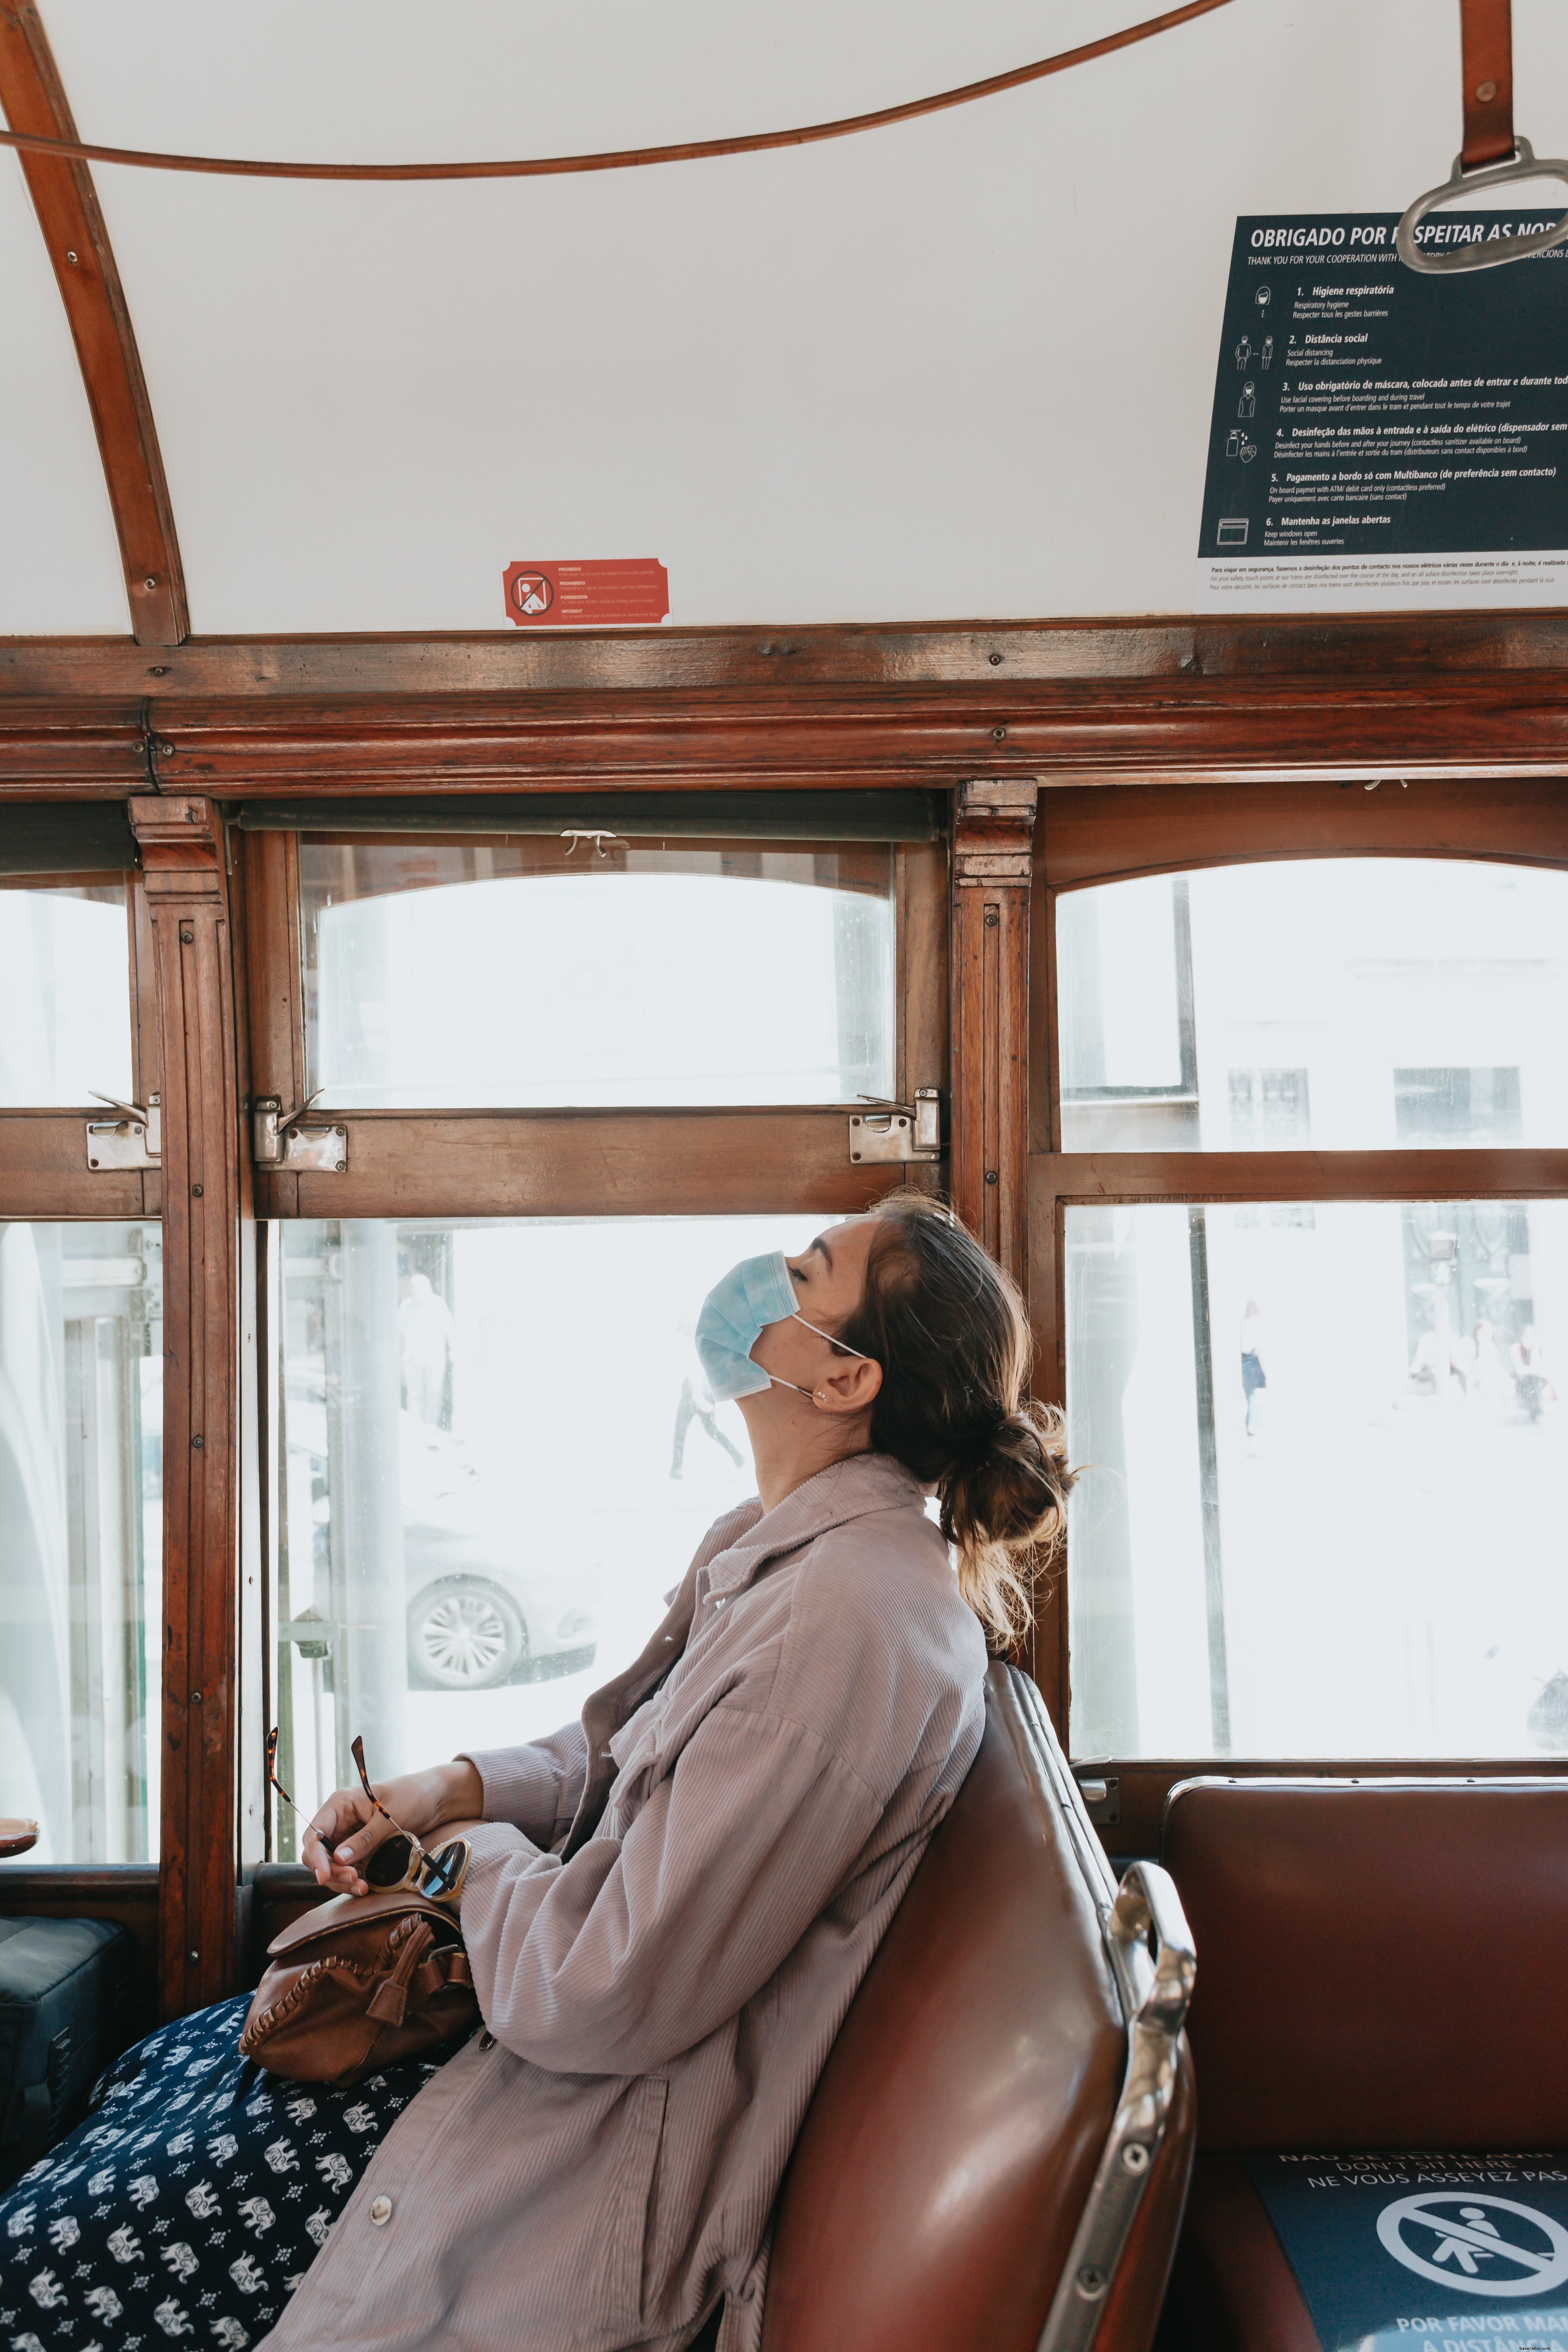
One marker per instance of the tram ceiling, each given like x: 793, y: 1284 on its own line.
x: 909, y: 370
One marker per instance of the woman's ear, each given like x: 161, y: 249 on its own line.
x: 853, y: 1385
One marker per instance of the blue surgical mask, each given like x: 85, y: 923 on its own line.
x: 735, y: 1313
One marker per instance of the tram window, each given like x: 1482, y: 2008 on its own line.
x: 591, y: 971
x: 1325, y: 1508
x: 65, y: 982
x: 1346, y: 1003
x: 80, y: 1536
x: 465, y: 1543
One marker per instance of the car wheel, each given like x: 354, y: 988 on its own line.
x: 465, y: 1636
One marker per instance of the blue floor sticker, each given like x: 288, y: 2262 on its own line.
x: 1425, y: 2252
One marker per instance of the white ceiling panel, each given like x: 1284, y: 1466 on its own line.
x: 59, y: 560
x: 959, y: 368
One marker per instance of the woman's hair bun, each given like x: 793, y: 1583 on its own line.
x: 948, y: 1330
x: 1008, y: 1487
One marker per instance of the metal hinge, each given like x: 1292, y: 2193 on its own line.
x: 897, y: 1131
x: 279, y: 1142
x: 1101, y: 1793
x: 135, y: 1140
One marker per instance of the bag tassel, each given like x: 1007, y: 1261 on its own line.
x: 389, y: 2003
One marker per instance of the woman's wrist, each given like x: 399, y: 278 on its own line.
x: 462, y: 1797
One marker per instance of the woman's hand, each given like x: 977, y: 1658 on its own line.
x: 347, y: 1828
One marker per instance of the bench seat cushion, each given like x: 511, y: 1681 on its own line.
x: 1410, y: 2252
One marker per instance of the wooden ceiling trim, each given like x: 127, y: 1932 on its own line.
x: 34, y: 100
x: 1451, y: 724
x: 778, y: 661
x: 1470, y: 723
x: 82, y: 750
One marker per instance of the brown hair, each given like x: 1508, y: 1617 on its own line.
x: 948, y: 1329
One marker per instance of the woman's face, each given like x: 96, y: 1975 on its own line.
x: 830, y: 1280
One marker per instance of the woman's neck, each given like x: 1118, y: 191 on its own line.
x: 792, y: 1442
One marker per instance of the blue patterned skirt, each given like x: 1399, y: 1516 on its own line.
x: 192, y: 2201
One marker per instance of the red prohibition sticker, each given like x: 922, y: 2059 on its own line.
x: 617, y: 592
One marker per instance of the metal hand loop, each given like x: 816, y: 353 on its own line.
x: 1486, y: 253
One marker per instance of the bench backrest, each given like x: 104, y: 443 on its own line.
x: 949, y: 2150
x: 1382, y: 1961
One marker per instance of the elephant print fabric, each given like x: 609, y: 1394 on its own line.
x: 190, y: 2203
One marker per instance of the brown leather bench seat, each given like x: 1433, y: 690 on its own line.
x: 944, y: 2168
x: 1383, y: 1972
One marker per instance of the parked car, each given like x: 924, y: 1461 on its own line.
x: 478, y: 1616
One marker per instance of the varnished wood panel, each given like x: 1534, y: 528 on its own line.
x: 1247, y: 728
x: 146, y: 1064
x: 1089, y: 836
x: 277, y: 1023
x: 44, y: 1171
x: 81, y: 749
x: 182, y: 858
x: 1066, y: 732
x: 924, y: 970
x: 1183, y: 649
x: 72, y: 224
x: 583, y: 1163
x: 1520, y: 1172
x: 990, y: 966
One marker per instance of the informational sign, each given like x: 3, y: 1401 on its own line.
x: 609, y: 593
x: 1430, y: 2254
x: 1382, y: 439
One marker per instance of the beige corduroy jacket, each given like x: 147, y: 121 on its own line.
x: 597, y: 2169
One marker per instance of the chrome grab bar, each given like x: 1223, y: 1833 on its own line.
x: 1155, y: 1993
x: 1522, y: 164
x: 1153, y: 1989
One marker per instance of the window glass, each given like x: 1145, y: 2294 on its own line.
x: 591, y: 970
x: 1326, y: 1508
x: 65, y: 982
x: 496, y: 1454
x: 1342, y: 1004
x: 81, y: 1536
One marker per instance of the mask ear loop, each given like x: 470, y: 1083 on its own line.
x: 841, y: 1344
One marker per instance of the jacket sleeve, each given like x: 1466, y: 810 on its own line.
x: 535, y: 1788
x: 636, y: 1950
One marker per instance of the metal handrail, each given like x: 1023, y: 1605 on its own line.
x: 1147, y: 1903
x: 1154, y: 1989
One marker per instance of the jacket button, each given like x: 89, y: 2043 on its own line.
x: 381, y: 2211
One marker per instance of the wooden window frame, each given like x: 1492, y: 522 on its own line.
x: 676, y: 1162
x: 687, y: 1160
x: 44, y: 1174
x: 1163, y: 739
x: 1087, y: 836
x: 45, y: 1180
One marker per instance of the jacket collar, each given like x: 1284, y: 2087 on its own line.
x: 846, y: 1490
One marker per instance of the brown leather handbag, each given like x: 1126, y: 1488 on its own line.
x: 360, y: 1982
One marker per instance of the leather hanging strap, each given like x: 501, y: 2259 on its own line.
x: 1486, y: 40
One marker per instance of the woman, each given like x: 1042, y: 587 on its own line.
x: 672, y: 1903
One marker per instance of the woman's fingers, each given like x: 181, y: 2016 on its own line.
x: 346, y: 1831
x: 339, y: 1836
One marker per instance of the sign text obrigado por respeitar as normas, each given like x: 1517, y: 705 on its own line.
x: 1380, y: 439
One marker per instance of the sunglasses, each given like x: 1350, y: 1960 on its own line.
x: 437, y: 1873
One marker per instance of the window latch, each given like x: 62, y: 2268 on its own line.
x: 134, y: 1139
x: 897, y: 1131
x: 276, y: 1141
